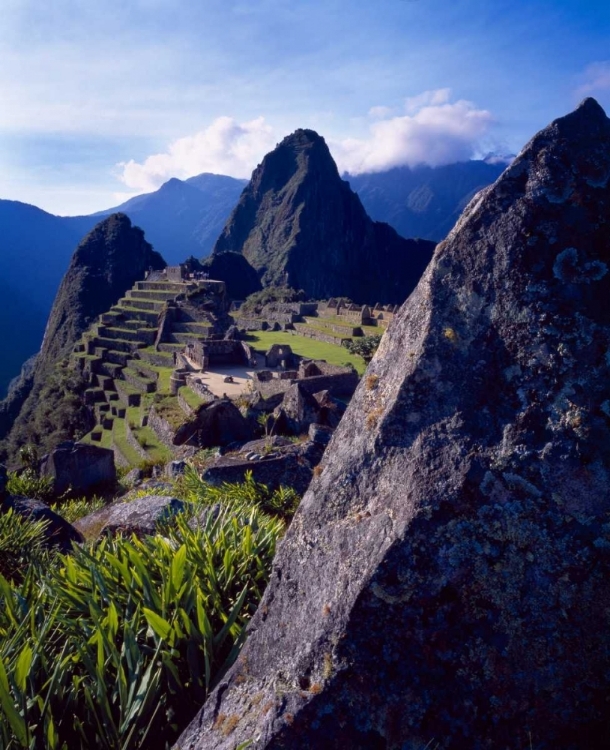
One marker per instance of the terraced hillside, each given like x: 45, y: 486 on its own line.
x: 129, y: 357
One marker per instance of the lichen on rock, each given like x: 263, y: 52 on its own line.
x: 446, y: 579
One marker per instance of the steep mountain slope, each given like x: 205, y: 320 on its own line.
x: 184, y: 217
x: 423, y: 201
x: 108, y: 261
x: 298, y: 223
x: 446, y: 578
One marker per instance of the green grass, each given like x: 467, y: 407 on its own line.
x: 156, y: 450
x: 169, y: 410
x: 120, y: 440
x: 333, y: 354
x: 191, y: 398
x: 165, y: 374
x: 105, y: 442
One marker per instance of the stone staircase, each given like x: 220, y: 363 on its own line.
x: 123, y: 365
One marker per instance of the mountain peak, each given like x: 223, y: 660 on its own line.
x: 298, y: 223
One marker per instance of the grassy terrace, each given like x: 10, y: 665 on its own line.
x: 155, y: 449
x: 335, y: 355
x: 191, y: 398
x: 169, y: 409
x: 164, y: 376
x: 120, y: 440
x: 323, y: 323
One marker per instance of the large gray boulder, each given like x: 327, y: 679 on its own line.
x: 78, y: 467
x: 446, y: 579
x: 141, y: 517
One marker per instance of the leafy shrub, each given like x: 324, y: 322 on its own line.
x: 365, y: 346
x: 118, y: 645
x: 29, y: 484
x: 21, y: 543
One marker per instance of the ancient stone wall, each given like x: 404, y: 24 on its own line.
x: 132, y: 440
x: 163, y: 429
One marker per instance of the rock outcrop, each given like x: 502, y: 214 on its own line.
x: 299, y: 224
x: 78, y: 467
x: 446, y: 579
x: 232, y: 268
x: 141, y: 517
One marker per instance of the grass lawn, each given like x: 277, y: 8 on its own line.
x: 191, y: 398
x: 335, y: 355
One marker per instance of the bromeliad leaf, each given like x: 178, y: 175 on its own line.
x: 160, y: 626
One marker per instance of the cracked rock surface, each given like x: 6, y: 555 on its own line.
x: 446, y: 578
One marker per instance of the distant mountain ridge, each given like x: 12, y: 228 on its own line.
x: 299, y: 224
x: 423, y: 201
x: 185, y: 217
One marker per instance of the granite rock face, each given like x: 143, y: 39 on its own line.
x: 446, y: 578
x: 299, y: 224
x: 78, y: 467
x: 141, y: 517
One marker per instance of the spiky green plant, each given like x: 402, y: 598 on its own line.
x: 22, y: 542
x: 78, y: 507
x: 29, y: 484
x: 121, y: 642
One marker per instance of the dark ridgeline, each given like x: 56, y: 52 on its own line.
x: 446, y: 578
x: 107, y: 262
x: 298, y: 223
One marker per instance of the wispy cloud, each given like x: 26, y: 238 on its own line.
x: 433, y: 131
x: 595, y: 80
x: 225, y: 147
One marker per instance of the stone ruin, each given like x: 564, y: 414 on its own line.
x: 279, y: 355
x: 314, y: 375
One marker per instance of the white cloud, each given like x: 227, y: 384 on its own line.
x: 379, y: 113
x: 427, y: 99
x: 225, y: 147
x: 596, y: 79
x: 434, y: 131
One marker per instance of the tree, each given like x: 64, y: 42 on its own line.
x: 365, y: 346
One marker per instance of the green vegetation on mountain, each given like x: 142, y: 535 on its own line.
x: 49, y: 404
x: 299, y: 224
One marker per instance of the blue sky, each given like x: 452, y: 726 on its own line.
x: 102, y: 100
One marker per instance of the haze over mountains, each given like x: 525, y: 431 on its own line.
x: 185, y: 217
